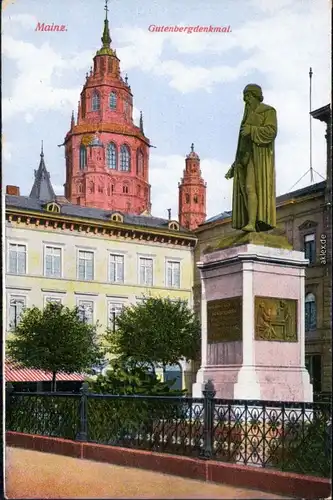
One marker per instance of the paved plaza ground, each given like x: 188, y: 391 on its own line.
x: 32, y: 474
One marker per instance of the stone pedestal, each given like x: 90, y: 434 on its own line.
x: 253, y: 341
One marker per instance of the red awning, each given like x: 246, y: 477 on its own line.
x: 13, y: 373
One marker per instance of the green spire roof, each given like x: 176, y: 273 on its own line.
x: 106, y: 38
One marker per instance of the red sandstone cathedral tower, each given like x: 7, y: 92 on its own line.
x: 107, y: 156
x: 192, y: 193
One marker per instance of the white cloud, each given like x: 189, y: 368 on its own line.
x: 33, y: 90
x: 7, y: 150
x: 136, y: 116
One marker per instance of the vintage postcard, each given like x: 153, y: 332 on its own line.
x: 167, y: 277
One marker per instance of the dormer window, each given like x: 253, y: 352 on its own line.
x: 113, y: 100
x: 53, y: 207
x: 95, y: 103
x: 173, y: 225
x: 117, y: 217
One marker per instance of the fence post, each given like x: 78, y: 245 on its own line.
x: 83, y: 434
x: 209, y: 394
x: 9, y: 391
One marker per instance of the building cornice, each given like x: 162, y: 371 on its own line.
x: 127, y: 130
x: 104, y: 228
x: 292, y: 201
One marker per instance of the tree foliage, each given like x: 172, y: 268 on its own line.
x: 127, y: 377
x: 54, y: 339
x: 117, y: 420
x: 158, y: 330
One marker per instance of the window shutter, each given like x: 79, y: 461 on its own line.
x: 57, y: 265
x: 177, y: 275
x: 149, y: 272
x: 13, y: 264
x: 21, y: 262
x: 112, y: 269
x: 142, y: 272
x: 120, y: 269
x: 12, y: 314
x: 169, y: 274
x: 48, y: 265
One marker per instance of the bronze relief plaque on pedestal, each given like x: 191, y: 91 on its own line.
x: 224, y: 320
x: 275, y: 319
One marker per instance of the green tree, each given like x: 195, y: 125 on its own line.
x: 54, y: 339
x: 156, y: 331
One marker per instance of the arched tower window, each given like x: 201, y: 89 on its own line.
x: 139, y: 162
x: 83, y: 157
x: 310, y: 313
x: 195, y: 198
x: 112, y: 156
x: 125, y: 158
x: 113, y: 100
x: 95, y: 101
x: 125, y: 188
x: 187, y: 198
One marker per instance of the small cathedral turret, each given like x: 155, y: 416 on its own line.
x: 42, y: 188
x: 192, y: 193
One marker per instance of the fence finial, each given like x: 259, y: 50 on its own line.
x: 84, y: 388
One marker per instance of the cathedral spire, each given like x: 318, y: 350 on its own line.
x: 106, y: 38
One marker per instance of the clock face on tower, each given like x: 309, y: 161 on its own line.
x: 86, y: 139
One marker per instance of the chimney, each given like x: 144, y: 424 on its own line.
x: 13, y: 190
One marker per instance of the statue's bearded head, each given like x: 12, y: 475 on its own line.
x: 252, y: 95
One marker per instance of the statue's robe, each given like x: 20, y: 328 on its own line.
x: 258, y: 148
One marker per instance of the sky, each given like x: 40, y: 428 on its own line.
x: 188, y: 86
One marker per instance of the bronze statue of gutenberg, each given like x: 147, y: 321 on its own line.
x: 253, y: 204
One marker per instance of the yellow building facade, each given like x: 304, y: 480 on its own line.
x: 96, y: 260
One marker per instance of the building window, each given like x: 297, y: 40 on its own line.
x: 17, y: 259
x: 86, y: 311
x: 310, y: 248
x: 16, y: 306
x: 52, y: 262
x: 86, y: 265
x: 114, y: 309
x: 52, y: 300
x: 113, y: 100
x: 139, y: 162
x: 125, y: 189
x: 116, y: 268
x: 187, y: 198
x: 195, y: 198
x: 173, y: 374
x: 112, y: 156
x: 313, y: 365
x: 173, y: 274
x: 146, y: 271
x: 95, y: 101
x: 310, y: 313
x: 83, y: 157
x: 125, y: 158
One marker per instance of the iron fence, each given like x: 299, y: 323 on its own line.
x: 291, y: 436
